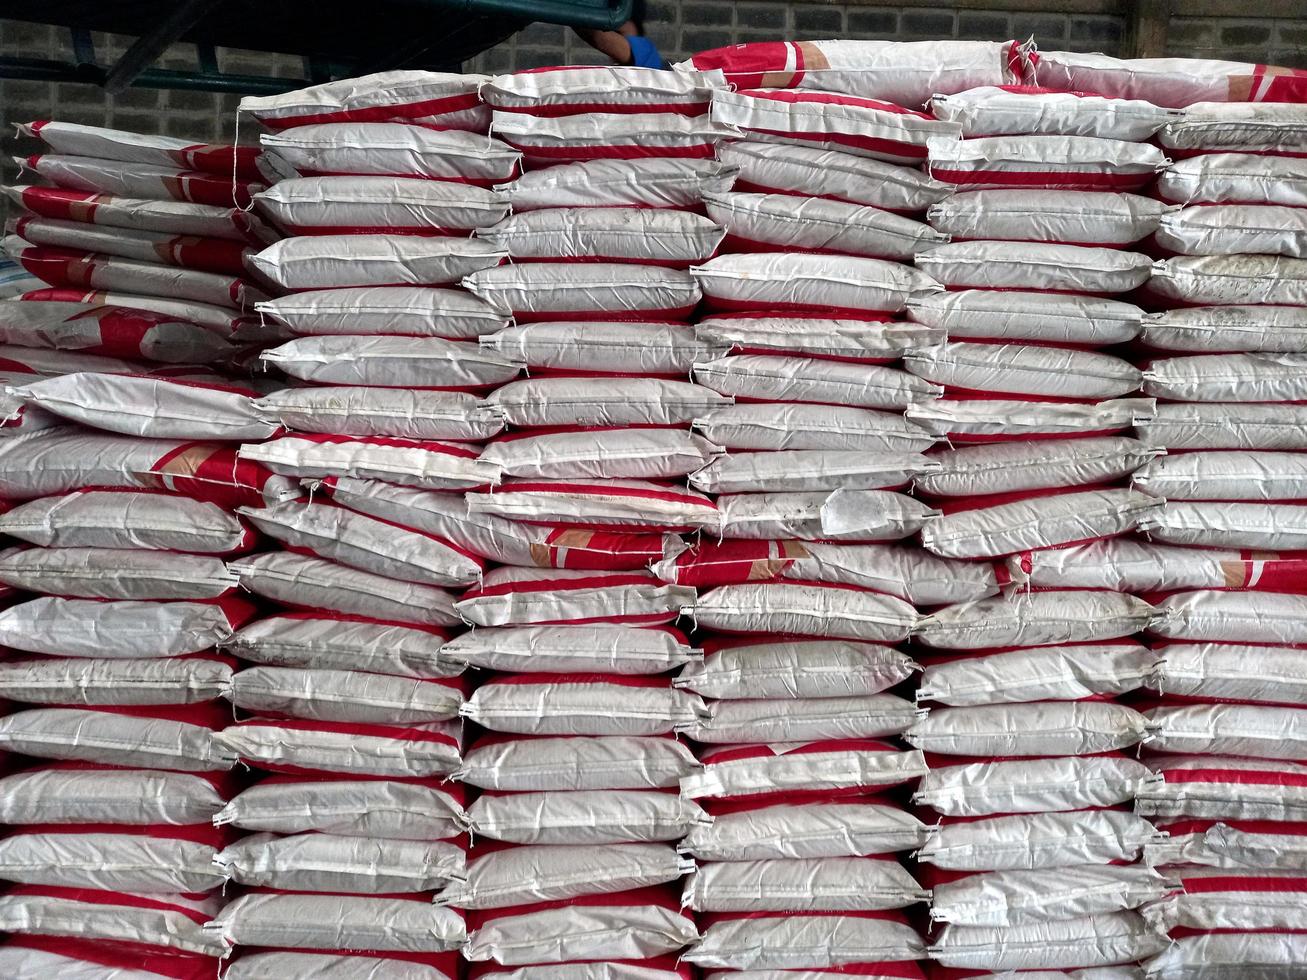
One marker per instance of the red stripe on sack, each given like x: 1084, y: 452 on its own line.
x: 658, y: 896
x: 443, y: 178
x: 901, y: 152
x: 736, y: 752
x: 616, y: 680
x: 1053, y: 179
x: 602, y: 490
x: 92, y: 896
x: 601, y: 580
x: 608, y: 108
x: 445, y: 105
x: 1204, y: 885
x: 1244, y: 777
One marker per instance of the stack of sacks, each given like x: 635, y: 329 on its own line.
x: 121, y: 536
x: 1229, y: 349
x: 576, y: 873
x: 153, y: 224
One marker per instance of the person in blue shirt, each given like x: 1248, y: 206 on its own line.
x: 627, y: 45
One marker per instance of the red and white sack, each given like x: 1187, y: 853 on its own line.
x: 1059, y: 217
x: 545, y: 402
x: 1035, y: 619
x: 390, y: 149
x: 866, y: 340
x: 439, y: 99
x: 1227, y: 329
x: 807, y: 943
x: 1018, y: 369
x: 1066, y: 673
x: 600, y: 454
x: 114, y: 144
x: 1014, y: 467
x: 398, y: 362
x: 597, y: 648
x: 362, y: 542
x: 1204, y: 127
x: 1068, y: 163
x: 810, y: 669
x: 127, y: 628
x: 326, y: 261
x: 33, y: 957
x: 582, y: 704
x: 112, y: 331
x: 1012, y: 315
x: 1031, y: 786
x: 1225, y: 476
x: 344, y: 695
x: 302, y: 747
x: 1210, y: 899
x: 983, y: 420
x: 141, y: 180
x: 141, y: 214
x: 168, y: 922
x: 577, y: 763
x: 226, y: 322
x: 815, y: 770
x: 806, y: 609
x: 1040, y: 728
x: 651, y: 182
x: 305, y: 640
x: 127, y: 519
x: 311, y: 583
x: 401, y: 413
x: 1226, y: 426
x: 333, y: 863
x: 434, y: 465
x: 411, y: 311
x: 149, y: 861
x: 1234, y: 844
x: 784, y: 223
x: 1228, y: 378
x: 586, y: 291
x: 1039, y: 841
x: 600, y: 503
x: 908, y: 73
x: 1233, y: 229
x: 1212, y: 787
x: 802, y: 720
x: 906, y: 572
x: 855, y: 828
x: 1016, y: 110
x: 92, y: 681
x: 648, y: 236
x: 154, y: 408
x: 1253, y: 730
x: 369, y: 808
x: 545, y: 141
x: 551, y: 873
x: 833, y: 884
x: 329, y: 922
x: 1020, y: 898
x: 584, y: 818
x: 115, y: 573
x: 764, y: 377
x: 1093, y: 940
x: 773, y: 426
x: 1235, y: 178
x: 132, y: 739
x: 807, y: 171
x: 861, y: 126
x: 1231, y: 672
x: 511, y: 596
x: 69, y: 268
x: 1225, y: 280
x: 1022, y: 265
x: 216, y: 255
x: 76, y: 794
x: 619, y: 347
x: 842, y: 515
x: 626, y: 926
x: 1174, y: 82
x: 1238, y: 617
x: 1045, y: 521
x: 809, y: 469
x: 378, y: 206
x: 1244, y: 952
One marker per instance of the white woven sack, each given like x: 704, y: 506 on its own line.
x: 1229, y: 425
x: 133, y: 797
x: 327, y: 966
x: 1272, y: 128
x: 578, y: 763
x: 651, y: 236
x: 1231, y: 672
x: 1016, y: 898
x: 618, y: 346
x: 764, y: 377
x: 118, y: 519
x: 1030, y: 786
x: 1017, y: 369
x: 798, y: 470
x: 106, y: 916
x: 1094, y: 940
x: 110, y: 862
x: 803, y: 942
x: 1041, y: 728
x: 1240, y: 617
x: 1223, y: 329
x: 549, y: 140
x: 511, y: 596
x: 1252, y: 730
x: 89, y: 681
x: 1086, y: 163
x: 653, y: 182
x: 412, y: 311
x: 61, y: 325
x: 343, y: 695
x: 332, y: 863
x: 740, y: 721
x: 124, y: 628
x: 611, y: 453
x: 996, y: 111
x: 827, y: 768
x: 1225, y: 280
x: 597, y: 648
x: 603, y: 402
x: 829, y: 884
x: 1033, y: 841
x: 115, y: 573
x: 585, y: 817
x: 800, y: 281
x: 113, y: 739
x: 813, y: 336
x: 427, y: 465
x: 1037, y: 266
x: 1225, y: 476
x: 1219, y: 845
x: 325, y: 261
x: 378, y: 205
x: 1067, y: 673
x: 1013, y: 315
x: 401, y: 413
x: 1035, y: 619
x: 844, y: 515
x: 1242, y: 954
x: 810, y: 830
x: 366, y: 808
x: 811, y: 426
x: 1235, y: 178
x: 1056, y: 217
x: 1214, y: 788
x: 322, y: 747
x: 303, y: 641
x: 812, y: 669
x: 806, y: 609
x: 588, y: 290
x: 27, y: 963
x: 1228, y: 378
x: 393, y: 362
x: 588, y: 705
x: 392, y: 148
x: 598, y: 503
x: 1009, y: 419
x: 626, y: 928
x: 1010, y: 467
x: 1233, y: 229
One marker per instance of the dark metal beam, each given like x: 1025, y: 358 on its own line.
x: 145, y: 51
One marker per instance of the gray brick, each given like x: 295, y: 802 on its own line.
x: 139, y: 98
x: 26, y: 40
x: 1100, y: 30
x: 537, y: 57
x: 873, y: 22
x: 809, y: 19
x: 1291, y: 35
x: 147, y: 122
x: 1044, y: 29
x: 31, y: 93
x: 496, y: 61
x: 708, y: 15
x: 695, y: 39
x: 760, y: 16
x: 1246, y: 34
x: 1288, y: 57
x: 983, y: 26
x: 927, y: 23
x: 1186, y: 31
x: 662, y: 12
x: 540, y: 35
x: 181, y: 56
